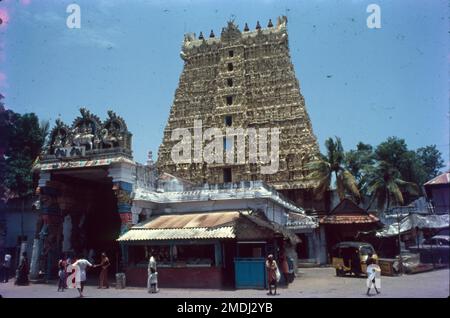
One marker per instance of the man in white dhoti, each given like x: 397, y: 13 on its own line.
x: 152, y: 282
x: 81, y: 264
x: 373, y: 276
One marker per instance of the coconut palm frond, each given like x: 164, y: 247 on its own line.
x: 319, y: 169
x: 395, y: 192
x: 350, y: 184
x: 340, y: 186
x: 409, y: 187
x: 381, y: 197
x: 323, y: 185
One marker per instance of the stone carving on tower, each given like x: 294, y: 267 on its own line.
x: 242, y: 79
x: 89, y: 137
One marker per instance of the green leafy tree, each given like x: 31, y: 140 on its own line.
x: 332, y: 164
x: 431, y: 160
x: 7, y: 118
x: 395, y: 152
x: 21, y: 143
x: 357, y: 160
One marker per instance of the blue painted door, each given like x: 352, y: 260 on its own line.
x: 250, y: 272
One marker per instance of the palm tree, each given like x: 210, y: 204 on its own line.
x: 384, y: 184
x: 333, y: 164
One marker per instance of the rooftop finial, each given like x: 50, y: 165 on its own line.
x: 258, y: 26
x: 200, y: 37
x: 246, y: 29
x: 211, y: 35
x: 150, y: 158
x: 269, y: 25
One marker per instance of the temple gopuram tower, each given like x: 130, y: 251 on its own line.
x: 243, y: 79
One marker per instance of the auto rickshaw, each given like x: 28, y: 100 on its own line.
x: 351, y: 257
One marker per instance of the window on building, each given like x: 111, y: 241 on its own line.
x: 228, y: 143
x: 229, y: 100
x: 230, y: 53
x: 198, y: 254
x: 230, y: 82
x: 227, y: 175
x: 230, y: 66
x: 253, y: 249
x: 228, y: 120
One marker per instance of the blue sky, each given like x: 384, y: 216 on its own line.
x: 360, y: 84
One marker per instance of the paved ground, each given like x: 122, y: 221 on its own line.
x: 312, y: 282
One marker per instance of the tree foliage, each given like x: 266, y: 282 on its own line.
x: 389, y: 173
x: 431, y: 160
x: 385, y: 185
x: 21, y: 142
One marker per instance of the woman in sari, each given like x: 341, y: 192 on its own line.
x: 23, y: 269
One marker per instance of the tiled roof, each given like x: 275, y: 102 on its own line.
x: 441, y: 179
x: 348, y: 219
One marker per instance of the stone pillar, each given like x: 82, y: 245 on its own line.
x: 123, y: 176
x: 123, y: 191
x: 67, y: 234
x: 52, y: 220
x: 38, y: 242
x: 323, y: 246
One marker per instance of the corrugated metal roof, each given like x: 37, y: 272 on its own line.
x: 211, y: 225
x: 191, y: 220
x: 177, y: 234
x: 301, y: 221
x: 207, y: 225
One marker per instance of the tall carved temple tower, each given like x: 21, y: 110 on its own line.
x: 242, y: 79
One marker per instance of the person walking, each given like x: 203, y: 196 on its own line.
x: 273, y: 274
x: 152, y: 282
x: 284, y: 268
x: 6, y: 266
x: 82, y: 264
x: 373, y: 275
x: 62, y: 274
x: 103, y: 277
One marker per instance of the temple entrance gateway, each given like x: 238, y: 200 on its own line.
x: 91, y: 222
x: 86, y: 177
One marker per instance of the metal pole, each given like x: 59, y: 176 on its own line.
x: 400, y: 262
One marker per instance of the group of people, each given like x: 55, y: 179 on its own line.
x: 21, y: 274
x: 80, y: 278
